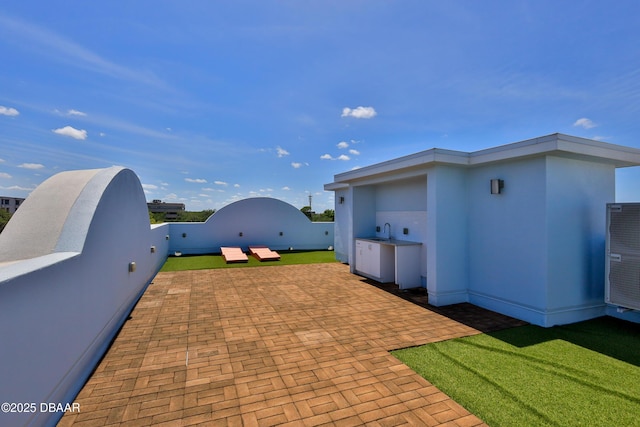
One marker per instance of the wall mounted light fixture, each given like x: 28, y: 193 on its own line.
x: 496, y: 186
x: 184, y: 234
x: 281, y: 233
x: 240, y: 234
x: 341, y: 200
x: 153, y: 249
x: 132, y: 266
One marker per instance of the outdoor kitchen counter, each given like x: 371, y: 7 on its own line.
x: 389, y: 260
x: 394, y: 242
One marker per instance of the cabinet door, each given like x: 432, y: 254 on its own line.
x: 373, y: 255
x: 360, y: 261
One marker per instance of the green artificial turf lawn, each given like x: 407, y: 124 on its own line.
x: 200, y: 262
x: 585, y: 374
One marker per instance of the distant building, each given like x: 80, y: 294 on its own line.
x: 169, y: 209
x: 10, y: 204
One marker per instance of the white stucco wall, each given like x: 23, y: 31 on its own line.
x: 446, y: 244
x: 39, y: 228
x: 577, y: 194
x: 60, y: 309
x: 535, y: 250
x: 508, y: 238
x: 260, y: 220
x: 342, y: 225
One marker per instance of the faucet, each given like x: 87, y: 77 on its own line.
x: 389, y: 232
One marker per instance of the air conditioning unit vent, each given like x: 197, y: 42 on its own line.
x: 622, y: 286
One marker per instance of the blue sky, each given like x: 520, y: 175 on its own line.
x: 214, y: 101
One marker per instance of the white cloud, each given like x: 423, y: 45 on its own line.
x: 76, y: 113
x: 149, y: 187
x: 32, y: 166
x: 296, y: 165
x: 281, y: 152
x: 4, y: 175
x: 171, y: 196
x: 8, y: 111
x: 196, y: 180
x: 343, y: 144
x: 285, y: 188
x: 354, y: 152
x: 220, y: 183
x: 1, y: 160
x: 208, y: 189
x: 71, y: 112
x: 584, y: 123
x: 359, y: 112
x: 17, y: 187
x: 236, y: 185
x: 72, y: 132
x: 343, y: 157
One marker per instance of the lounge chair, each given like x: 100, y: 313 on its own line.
x: 263, y: 253
x: 233, y: 254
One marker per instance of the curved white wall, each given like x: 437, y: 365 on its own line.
x: 261, y: 220
x: 65, y: 284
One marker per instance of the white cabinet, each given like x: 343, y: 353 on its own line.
x: 389, y: 261
x: 375, y: 260
x: 407, y: 261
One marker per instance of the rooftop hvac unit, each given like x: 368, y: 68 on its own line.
x: 622, y: 269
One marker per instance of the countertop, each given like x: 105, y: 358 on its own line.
x: 392, y: 242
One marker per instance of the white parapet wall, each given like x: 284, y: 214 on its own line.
x: 254, y: 221
x: 73, y: 262
x: 75, y: 259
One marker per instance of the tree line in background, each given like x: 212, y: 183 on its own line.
x: 327, y: 216
x: 4, y: 219
x: 183, y: 216
x: 188, y: 216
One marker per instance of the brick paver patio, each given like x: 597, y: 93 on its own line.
x: 299, y: 345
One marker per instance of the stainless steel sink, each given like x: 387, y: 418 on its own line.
x: 378, y: 239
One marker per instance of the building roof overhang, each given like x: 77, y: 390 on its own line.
x: 556, y: 144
